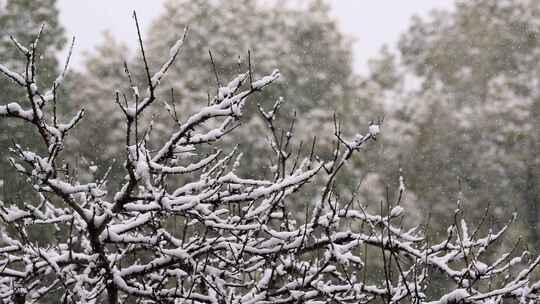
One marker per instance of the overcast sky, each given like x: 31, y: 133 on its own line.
x: 371, y: 23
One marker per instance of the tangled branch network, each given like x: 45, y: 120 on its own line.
x: 237, y: 239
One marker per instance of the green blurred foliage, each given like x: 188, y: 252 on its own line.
x: 466, y: 122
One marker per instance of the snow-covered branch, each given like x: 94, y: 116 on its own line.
x: 194, y: 229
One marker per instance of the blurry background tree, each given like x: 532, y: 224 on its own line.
x: 470, y: 111
x: 22, y: 19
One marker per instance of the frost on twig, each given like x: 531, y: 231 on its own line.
x: 215, y: 236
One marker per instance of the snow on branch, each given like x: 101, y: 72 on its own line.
x: 214, y: 236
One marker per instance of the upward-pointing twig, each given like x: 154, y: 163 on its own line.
x: 146, y: 68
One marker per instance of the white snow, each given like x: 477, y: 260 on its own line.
x: 396, y: 211
x: 374, y: 129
